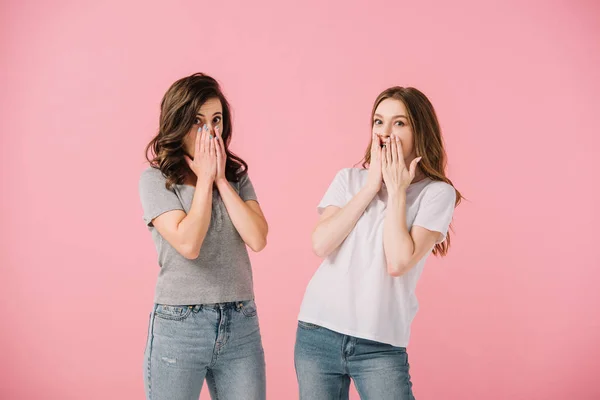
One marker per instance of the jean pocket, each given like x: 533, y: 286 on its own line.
x: 148, y: 331
x: 308, y: 325
x: 249, y: 308
x: 175, y: 313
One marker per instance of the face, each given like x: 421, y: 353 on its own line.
x: 211, y: 114
x: 391, y: 120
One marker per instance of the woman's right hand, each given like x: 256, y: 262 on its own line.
x: 375, y: 177
x: 204, y: 164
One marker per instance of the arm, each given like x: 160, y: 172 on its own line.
x: 336, y: 223
x: 186, y: 233
x: 247, y: 217
x: 403, y: 249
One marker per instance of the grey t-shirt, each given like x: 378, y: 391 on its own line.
x: 222, y: 271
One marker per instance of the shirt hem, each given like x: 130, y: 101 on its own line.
x: 351, y: 332
x: 202, y: 300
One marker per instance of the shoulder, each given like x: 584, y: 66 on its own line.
x: 350, y: 174
x: 243, y: 176
x: 151, y: 176
x: 151, y: 172
x: 439, y: 191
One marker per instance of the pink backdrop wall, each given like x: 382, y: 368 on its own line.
x: 511, y: 313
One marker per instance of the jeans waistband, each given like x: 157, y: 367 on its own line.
x: 219, y: 306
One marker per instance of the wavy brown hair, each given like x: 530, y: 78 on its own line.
x: 427, y: 138
x: 178, y: 110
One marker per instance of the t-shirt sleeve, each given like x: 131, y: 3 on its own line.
x: 337, y: 193
x: 436, y: 210
x: 156, y: 198
x: 246, y: 189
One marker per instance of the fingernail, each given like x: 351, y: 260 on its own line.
x: 206, y: 127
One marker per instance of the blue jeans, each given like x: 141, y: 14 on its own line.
x: 326, y: 361
x: 219, y: 343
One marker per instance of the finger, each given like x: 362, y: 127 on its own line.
x: 212, y: 145
x: 413, y: 167
x: 217, y: 145
x: 400, y: 153
x: 219, y: 142
x: 206, y: 140
x: 394, y: 150
x: 375, y: 152
x: 384, y: 154
x: 388, y: 150
x: 374, y: 145
x: 188, y: 160
x: 198, y: 143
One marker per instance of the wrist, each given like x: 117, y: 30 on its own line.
x: 396, y: 193
x: 221, y: 182
x: 371, y: 188
x: 204, y: 182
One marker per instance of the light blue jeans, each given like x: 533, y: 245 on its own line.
x: 219, y: 343
x: 326, y: 361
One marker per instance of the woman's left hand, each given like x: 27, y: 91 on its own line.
x: 395, y: 173
x: 221, y: 156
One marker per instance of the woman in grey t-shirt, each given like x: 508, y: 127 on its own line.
x: 201, y: 209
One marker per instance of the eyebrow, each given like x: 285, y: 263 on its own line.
x: 395, y: 116
x: 217, y: 113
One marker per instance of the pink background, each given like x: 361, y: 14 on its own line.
x: 511, y: 313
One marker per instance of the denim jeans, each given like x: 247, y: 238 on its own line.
x: 219, y: 343
x: 326, y: 361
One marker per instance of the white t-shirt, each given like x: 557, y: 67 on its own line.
x: 352, y: 293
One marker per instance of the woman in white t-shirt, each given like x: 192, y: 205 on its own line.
x: 377, y: 226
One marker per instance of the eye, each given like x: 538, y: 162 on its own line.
x: 197, y: 121
x: 216, y: 120
x: 377, y: 122
x: 400, y: 123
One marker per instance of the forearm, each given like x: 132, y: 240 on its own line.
x: 251, y: 226
x: 331, y: 232
x: 192, y: 229
x: 397, y: 241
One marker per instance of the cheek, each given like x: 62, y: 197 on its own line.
x: 190, y: 140
x: 406, y: 138
x: 377, y: 129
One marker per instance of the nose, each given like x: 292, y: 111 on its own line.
x: 386, y: 131
x: 212, y: 126
x: 384, y: 136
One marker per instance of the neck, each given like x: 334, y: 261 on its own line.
x: 419, y: 175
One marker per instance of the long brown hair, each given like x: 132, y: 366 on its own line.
x: 427, y: 138
x: 178, y: 110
